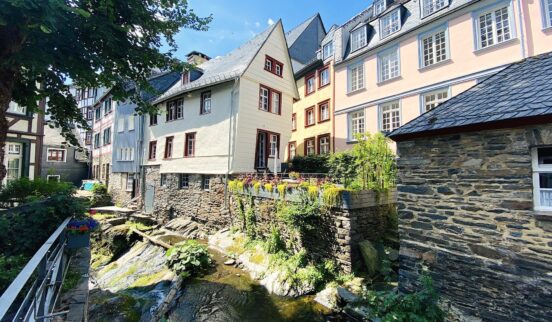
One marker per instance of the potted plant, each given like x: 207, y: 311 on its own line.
x: 78, y: 232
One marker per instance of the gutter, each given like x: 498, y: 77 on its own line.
x: 521, y: 17
x: 226, y: 176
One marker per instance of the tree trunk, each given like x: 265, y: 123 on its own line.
x: 5, y: 98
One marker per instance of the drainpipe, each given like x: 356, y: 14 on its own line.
x: 521, y: 16
x: 236, y: 82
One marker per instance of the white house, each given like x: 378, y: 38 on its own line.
x: 231, y: 115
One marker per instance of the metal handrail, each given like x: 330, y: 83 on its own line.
x: 40, y: 260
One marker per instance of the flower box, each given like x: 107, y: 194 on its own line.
x: 75, y: 241
x: 78, y: 232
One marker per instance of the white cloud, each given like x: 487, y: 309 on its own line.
x: 257, y: 24
x: 270, y: 21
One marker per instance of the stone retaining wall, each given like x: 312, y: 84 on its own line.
x: 466, y: 216
x: 364, y: 215
x: 204, y: 207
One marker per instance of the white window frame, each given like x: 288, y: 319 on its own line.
x: 326, y: 144
x: 324, y: 80
x: 546, y: 13
x: 129, y: 179
x: 432, y: 4
x: 491, y: 10
x: 359, y: 68
x: 294, y: 150
x: 163, y: 180
x: 57, y: 149
x: 273, y: 141
x: 384, y: 55
x: 264, y: 97
x: 57, y: 176
x: 423, y: 102
x: 181, y: 181
x: 324, y: 116
x: 432, y: 34
x: 308, y: 114
x: 308, y: 146
x: 360, y: 117
x: 121, y: 125
x: 327, y: 50
x: 205, y: 103
x: 379, y: 6
x: 15, y: 108
x: 362, y: 40
x: 14, y: 148
x: 131, y: 122
x: 538, y: 169
x: 381, y: 112
x: 206, y: 182
x: 387, y: 22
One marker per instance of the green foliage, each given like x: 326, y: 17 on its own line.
x: 421, y: 306
x: 274, y: 242
x: 25, y: 190
x: 300, y: 216
x: 24, y: 229
x: 239, y: 186
x: 342, y: 166
x: 310, y: 164
x: 370, y: 165
x: 10, y: 266
x: 331, y: 196
x: 250, y: 221
x: 100, y: 196
x: 375, y: 162
x: 189, y: 258
x: 36, y: 52
x: 71, y: 280
x: 313, y: 192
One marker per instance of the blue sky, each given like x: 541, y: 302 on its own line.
x: 236, y: 21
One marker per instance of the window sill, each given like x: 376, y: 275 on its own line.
x: 351, y: 142
x: 309, y: 94
x: 169, y: 121
x: 543, y: 215
x: 323, y: 121
x: 435, y: 65
x: 422, y: 16
x: 309, y: 125
x: 323, y: 86
x: 56, y: 161
x: 547, y: 29
x: 495, y: 46
x: 390, y: 80
x: 356, y: 91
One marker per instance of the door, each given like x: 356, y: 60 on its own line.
x: 148, y: 198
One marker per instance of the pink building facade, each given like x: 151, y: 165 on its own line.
x: 102, y: 142
x: 397, y: 60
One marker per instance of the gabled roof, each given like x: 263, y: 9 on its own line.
x: 224, y: 68
x: 519, y: 94
x: 304, y: 41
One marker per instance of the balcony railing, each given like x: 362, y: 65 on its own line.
x: 43, y: 276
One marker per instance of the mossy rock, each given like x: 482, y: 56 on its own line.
x: 370, y: 257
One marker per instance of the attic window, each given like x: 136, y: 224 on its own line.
x: 379, y: 6
x: 359, y: 38
x: 431, y: 6
x: 390, y: 23
x: 327, y: 50
x: 185, y: 78
x: 542, y: 178
x: 274, y: 66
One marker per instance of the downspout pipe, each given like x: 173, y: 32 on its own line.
x: 230, y: 125
x: 521, y: 16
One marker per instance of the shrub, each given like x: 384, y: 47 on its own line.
x: 274, y: 242
x: 310, y: 164
x: 100, y: 197
x: 10, y: 266
x: 419, y: 306
x: 25, y: 190
x: 24, y: 229
x: 188, y: 258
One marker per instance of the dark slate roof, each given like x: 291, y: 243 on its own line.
x: 410, y: 20
x: 520, y: 92
x: 224, y: 68
x: 160, y: 83
x: 304, y: 41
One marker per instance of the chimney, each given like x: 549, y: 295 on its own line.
x: 197, y: 58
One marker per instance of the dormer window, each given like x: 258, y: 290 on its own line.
x: 358, y: 38
x: 185, y: 78
x: 327, y: 50
x: 379, y: 6
x: 390, y: 23
x: 273, y: 66
x: 431, y: 6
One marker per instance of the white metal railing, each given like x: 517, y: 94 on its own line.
x: 48, y: 265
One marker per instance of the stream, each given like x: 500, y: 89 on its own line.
x: 133, y: 287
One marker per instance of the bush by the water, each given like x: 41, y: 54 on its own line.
x: 421, y: 306
x: 25, y: 190
x: 310, y: 164
x: 100, y: 197
x: 10, y: 266
x: 189, y: 258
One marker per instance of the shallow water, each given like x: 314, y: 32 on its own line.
x: 228, y: 294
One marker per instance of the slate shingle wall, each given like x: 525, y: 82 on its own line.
x: 465, y: 214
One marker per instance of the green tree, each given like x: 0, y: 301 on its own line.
x: 375, y: 161
x: 94, y: 43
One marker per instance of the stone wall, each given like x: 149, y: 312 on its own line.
x: 204, y: 207
x: 338, y: 230
x: 117, y: 189
x: 466, y: 216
